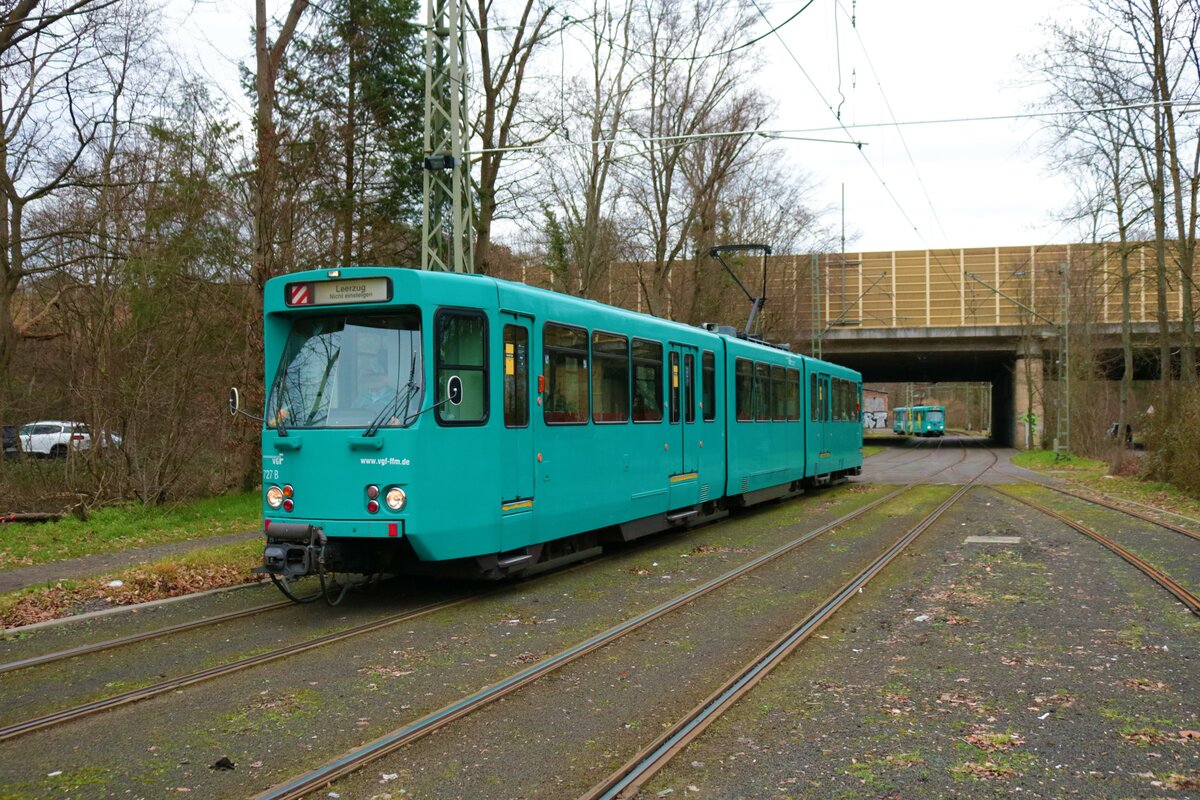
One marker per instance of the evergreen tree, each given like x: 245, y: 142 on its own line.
x: 351, y: 99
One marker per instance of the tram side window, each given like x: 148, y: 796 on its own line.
x: 689, y: 388
x: 565, y: 363
x: 837, y: 397
x: 852, y: 402
x: 745, y: 390
x: 647, y: 381
x: 778, y: 393
x: 610, y: 378
x: 462, y: 351
x: 516, y: 376
x: 793, y: 394
x: 673, y: 395
x: 814, y: 399
x: 762, y: 392
x: 708, y: 397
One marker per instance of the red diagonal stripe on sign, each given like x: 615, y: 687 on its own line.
x: 300, y: 294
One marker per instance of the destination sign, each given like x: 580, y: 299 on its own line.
x: 336, y: 293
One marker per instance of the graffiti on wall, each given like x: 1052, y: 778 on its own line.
x: 875, y: 420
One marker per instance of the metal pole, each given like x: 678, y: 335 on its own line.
x: 447, y: 233
x: 1063, y: 444
x: 818, y: 325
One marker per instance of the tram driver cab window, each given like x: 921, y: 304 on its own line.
x: 461, y: 347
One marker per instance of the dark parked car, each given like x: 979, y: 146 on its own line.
x: 11, y: 442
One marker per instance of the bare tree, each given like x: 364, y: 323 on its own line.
x: 581, y: 176
x: 695, y: 87
x: 1162, y: 37
x: 55, y: 102
x: 1100, y: 147
x: 268, y: 60
x: 505, y: 52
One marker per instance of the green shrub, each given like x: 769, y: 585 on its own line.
x: 1173, y: 441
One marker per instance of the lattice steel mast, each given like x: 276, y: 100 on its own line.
x: 447, y: 235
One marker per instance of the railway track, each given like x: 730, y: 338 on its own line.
x: 172, y: 684
x: 925, y: 452
x: 1162, y: 579
x: 626, y: 780
x: 1114, y: 505
x: 354, y: 760
x: 82, y: 710
x: 122, y: 641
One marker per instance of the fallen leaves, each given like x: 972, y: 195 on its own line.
x: 138, y: 585
x: 705, y: 549
x: 386, y: 671
x: 958, y: 699
x: 988, y: 770
x: 1178, y: 781
x: 994, y: 742
x: 1144, y: 736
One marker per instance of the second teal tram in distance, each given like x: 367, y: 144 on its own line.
x: 919, y: 420
x: 460, y: 424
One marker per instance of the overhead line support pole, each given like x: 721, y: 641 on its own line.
x: 447, y: 234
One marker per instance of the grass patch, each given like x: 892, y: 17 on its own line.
x: 1047, y: 461
x: 872, y: 450
x: 122, y: 527
x: 199, y: 570
x: 1092, y: 474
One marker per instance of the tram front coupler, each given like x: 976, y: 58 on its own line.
x: 293, y: 550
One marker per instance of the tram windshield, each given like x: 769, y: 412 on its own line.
x: 349, y: 371
x: 935, y: 415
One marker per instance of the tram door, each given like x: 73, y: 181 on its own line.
x: 517, y: 446
x: 682, y: 379
x: 825, y: 434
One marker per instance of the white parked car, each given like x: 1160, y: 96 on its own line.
x: 55, y: 438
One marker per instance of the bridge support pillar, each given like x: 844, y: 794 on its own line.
x: 1027, y: 398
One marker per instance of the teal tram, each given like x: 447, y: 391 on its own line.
x: 920, y: 420
x: 427, y: 422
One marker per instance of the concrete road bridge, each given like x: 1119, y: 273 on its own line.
x: 985, y: 314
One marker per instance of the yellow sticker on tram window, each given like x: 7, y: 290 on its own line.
x: 674, y: 376
x: 510, y: 364
x: 509, y: 349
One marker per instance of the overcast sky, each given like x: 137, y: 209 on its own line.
x: 985, y: 183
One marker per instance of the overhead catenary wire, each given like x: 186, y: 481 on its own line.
x: 792, y: 133
x: 870, y: 165
x: 887, y: 104
x: 702, y: 56
x: 643, y: 140
x: 843, y: 127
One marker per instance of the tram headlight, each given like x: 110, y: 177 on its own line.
x: 275, y: 497
x: 396, y: 498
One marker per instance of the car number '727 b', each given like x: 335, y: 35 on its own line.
x: 270, y: 474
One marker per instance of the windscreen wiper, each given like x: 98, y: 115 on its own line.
x: 401, y: 398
